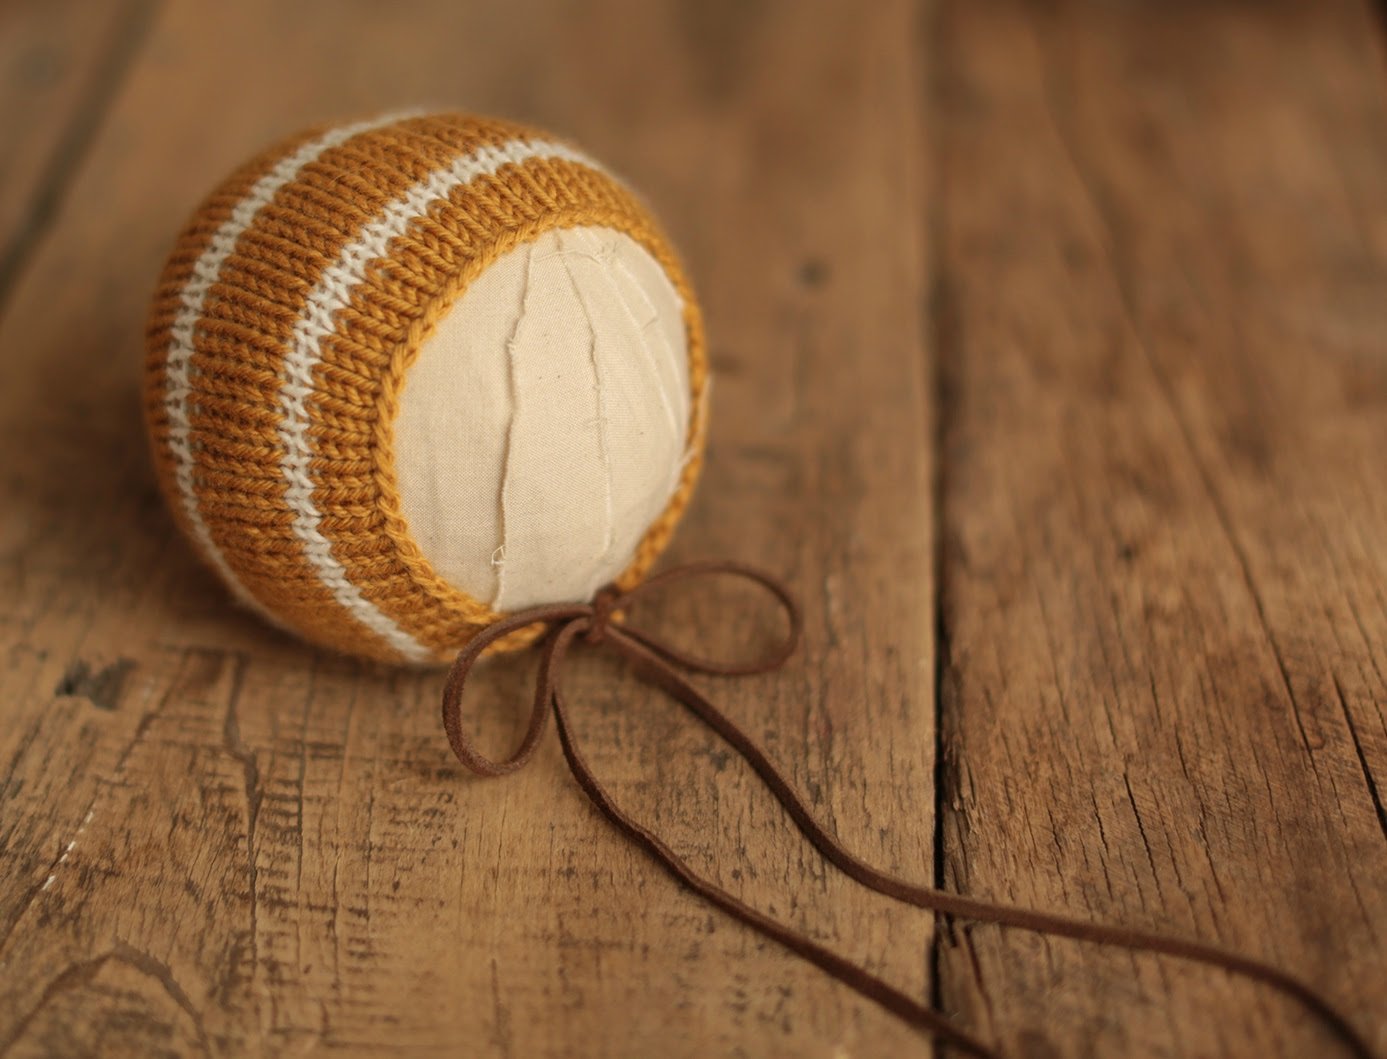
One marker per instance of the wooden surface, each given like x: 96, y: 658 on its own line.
x: 1162, y: 255
x: 1051, y: 354
x: 60, y: 62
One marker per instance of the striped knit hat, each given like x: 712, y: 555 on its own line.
x: 283, y: 329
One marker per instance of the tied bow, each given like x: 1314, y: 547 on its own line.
x: 594, y: 621
x: 659, y: 663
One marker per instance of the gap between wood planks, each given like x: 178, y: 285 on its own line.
x: 113, y: 64
x: 937, y: 328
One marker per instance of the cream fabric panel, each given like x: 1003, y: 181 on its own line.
x: 543, y: 425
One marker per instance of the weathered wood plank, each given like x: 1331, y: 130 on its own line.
x: 219, y: 841
x: 1163, y: 251
x: 60, y: 61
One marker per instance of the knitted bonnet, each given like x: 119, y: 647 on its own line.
x: 409, y: 374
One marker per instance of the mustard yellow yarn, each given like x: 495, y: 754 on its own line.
x: 284, y: 477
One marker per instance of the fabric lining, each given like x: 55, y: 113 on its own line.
x: 543, y: 425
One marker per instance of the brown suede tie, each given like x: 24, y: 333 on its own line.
x: 656, y: 662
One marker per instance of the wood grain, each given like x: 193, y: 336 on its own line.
x: 218, y: 841
x: 60, y: 61
x: 1162, y: 242
x: 1074, y: 309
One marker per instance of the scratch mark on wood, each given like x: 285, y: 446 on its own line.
x: 67, y: 850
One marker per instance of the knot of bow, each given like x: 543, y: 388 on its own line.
x: 597, y: 623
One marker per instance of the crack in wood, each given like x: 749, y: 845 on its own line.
x: 1368, y: 779
x: 102, y: 687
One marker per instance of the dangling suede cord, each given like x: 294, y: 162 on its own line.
x: 656, y: 662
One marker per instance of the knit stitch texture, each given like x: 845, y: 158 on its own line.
x: 280, y: 337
